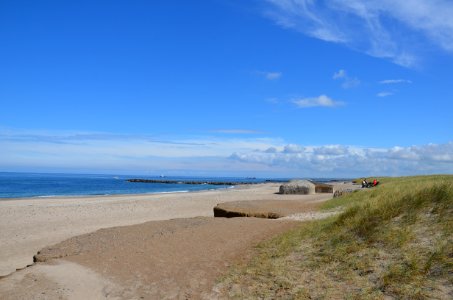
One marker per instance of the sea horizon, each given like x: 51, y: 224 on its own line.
x: 16, y: 185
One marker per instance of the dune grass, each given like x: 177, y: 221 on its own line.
x: 392, y: 241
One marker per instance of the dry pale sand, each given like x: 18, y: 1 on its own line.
x: 29, y: 225
x: 177, y: 258
x: 171, y: 259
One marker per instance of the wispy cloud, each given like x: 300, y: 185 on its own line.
x: 237, y: 131
x: 347, y: 81
x: 384, y: 94
x: 394, y: 30
x: 105, y: 151
x: 340, y: 74
x: 270, y: 75
x: 394, y: 81
x: 322, y: 101
x: 169, y: 142
x: 272, y: 100
x: 273, y: 75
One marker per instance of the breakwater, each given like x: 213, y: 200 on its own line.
x: 193, y: 181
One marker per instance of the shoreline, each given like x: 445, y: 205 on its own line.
x: 229, y: 187
x: 65, y: 197
x: 184, y: 220
x: 113, y: 195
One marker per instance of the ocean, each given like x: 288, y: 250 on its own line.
x: 22, y: 185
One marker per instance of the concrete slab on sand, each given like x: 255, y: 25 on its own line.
x: 291, y: 206
x: 271, y: 209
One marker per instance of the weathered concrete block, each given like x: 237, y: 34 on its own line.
x: 300, y: 187
x: 323, y: 188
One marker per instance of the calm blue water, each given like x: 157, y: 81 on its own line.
x: 19, y: 185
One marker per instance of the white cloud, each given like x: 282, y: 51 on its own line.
x: 270, y: 75
x: 273, y: 75
x: 101, y: 152
x: 395, y: 30
x: 347, y: 81
x: 394, y: 81
x: 384, y: 94
x: 350, y: 83
x: 340, y: 74
x: 340, y: 160
x: 291, y: 148
x: 323, y: 101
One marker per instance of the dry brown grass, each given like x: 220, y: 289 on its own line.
x: 392, y: 242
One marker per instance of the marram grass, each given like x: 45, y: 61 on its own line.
x: 392, y: 241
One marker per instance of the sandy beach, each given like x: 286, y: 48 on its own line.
x: 187, y: 245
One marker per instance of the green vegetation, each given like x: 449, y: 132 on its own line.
x: 392, y: 241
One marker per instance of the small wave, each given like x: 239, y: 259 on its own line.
x: 171, y: 192
x: 72, y: 195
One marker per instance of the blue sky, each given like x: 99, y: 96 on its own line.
x: 227, y: 87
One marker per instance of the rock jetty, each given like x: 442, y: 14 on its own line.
x: 191, y: 182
